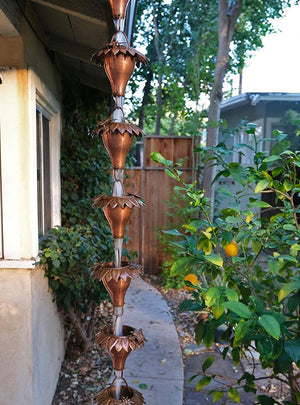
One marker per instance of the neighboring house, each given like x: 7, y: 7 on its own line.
x: 40, y: 41
x: 267, y: 111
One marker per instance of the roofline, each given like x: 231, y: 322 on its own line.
x: 254, y: 98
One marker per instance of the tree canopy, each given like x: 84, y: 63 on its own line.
x: 182, y: 38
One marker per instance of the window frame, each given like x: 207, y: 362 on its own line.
x: 45, y: 213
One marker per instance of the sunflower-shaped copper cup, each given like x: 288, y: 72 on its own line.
x: 116, y: 279
x: 117, y: 211
x: 119, y: 62
x: 117, y: 138
x: 128, y: 395
x: 119, y: 347
x: 118, y: 8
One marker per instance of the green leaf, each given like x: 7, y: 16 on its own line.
x: 225, y: 191
x: 179, y: 265
x: 287, y: 289
x: 277, y: 171
x: 212, y: 295
x: 235, y: 354
x: 238, y: 173
x: 217, y: 395
x: 294, y: 249
x: 287, y: 185
x: 202, y: 382
x: 171, y: 174
x: 199, y: 332
x: 256, y: 246
x: 292, y: 348
x: 207, y: 363
x: 262, y: 185
x: 143, y: 386
x: 158, y: 158
x: 173, y: 232
x: 271, y: 325
x: 209, y: 335
x: 260, y: 204
x: 289, y: 227
x: 214, y: 259
x: 239, y: 308
x: 234, y: 395
x: 56, y: 263
x: 240, y: 331
x: 264, y: 400
x: 231, y: 294
x: 190, y: 305
x: 217, y: 310
x: 271, y: 159
x: 192, y: 378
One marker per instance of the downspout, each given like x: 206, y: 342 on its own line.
x: 130, y: 19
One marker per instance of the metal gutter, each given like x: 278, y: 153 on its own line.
x: 255, y: 98
x: 130, y: 19
x: 236, y: 100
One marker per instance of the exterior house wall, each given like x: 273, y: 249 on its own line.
x: 264, y: 109
x: 31, y: 331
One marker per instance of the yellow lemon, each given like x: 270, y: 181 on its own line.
x: 231, y: 249
x: 193, y: 279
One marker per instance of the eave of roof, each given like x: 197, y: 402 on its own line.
x: 255, y: 98
x: 71, y: 29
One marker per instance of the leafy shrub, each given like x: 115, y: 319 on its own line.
x: 67, y: 256
x: 68, y: 252
x: 179, y: 213
x: 255, y: 295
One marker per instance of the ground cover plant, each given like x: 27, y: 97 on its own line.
x: 246, y: 260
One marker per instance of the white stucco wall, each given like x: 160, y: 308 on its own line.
x: 31, y: 338
x: 31, y: 331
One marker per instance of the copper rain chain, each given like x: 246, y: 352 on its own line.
x: 119, y: 61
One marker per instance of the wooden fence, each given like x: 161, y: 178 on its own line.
x: 151, y: 182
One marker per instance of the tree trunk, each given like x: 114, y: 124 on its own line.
x: 160, y: 59
x: 229, y: 12
x: 146, y: 96
x: 172, y: 125
x: 159, y: 104
x: 79, y: 329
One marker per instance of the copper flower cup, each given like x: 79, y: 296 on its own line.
x: 117, y: 211
x: 116, y: 279
x: 117, y: 138
x: 119, y: 347
x: 129, y: 396
x: 118, y: 8
x: 119, y: 62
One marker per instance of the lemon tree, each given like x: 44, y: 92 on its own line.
x: 247, y: 262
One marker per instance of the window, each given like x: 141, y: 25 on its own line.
x: 43, y: 171
x: 137, y: 153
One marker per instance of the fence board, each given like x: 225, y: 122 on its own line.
x: 155, y: 187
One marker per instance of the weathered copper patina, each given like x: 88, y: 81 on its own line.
x: 117, y: 138
x: 118, y: 8
x: 119, y: 347
x: 116, y: 279
x: 129, y: 396
x: 119, y: 62
x: 117, y: 211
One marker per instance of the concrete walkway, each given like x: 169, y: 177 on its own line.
x: 156, y: 370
